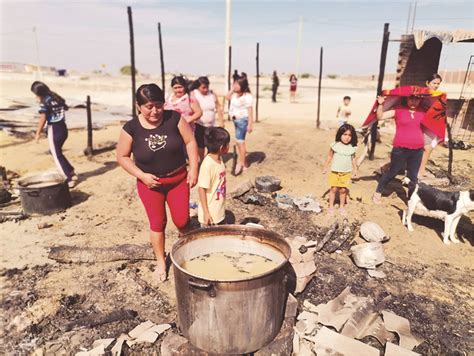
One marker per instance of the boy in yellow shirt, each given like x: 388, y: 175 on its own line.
x: 211, y: 181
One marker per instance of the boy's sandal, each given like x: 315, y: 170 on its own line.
x: 342, y: 211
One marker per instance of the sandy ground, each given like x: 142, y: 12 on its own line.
x: 106, y: 210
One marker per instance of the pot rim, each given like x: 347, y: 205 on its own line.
x: 257, y: 234
x: 44, y: 177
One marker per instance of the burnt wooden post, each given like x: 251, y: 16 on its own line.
x: 450, y: 155
x: 383, y: 57
x: 258, y: 80
x: 234, y: 160
x: 89, y: 150
x: 161, y: 59
x: 132, y: 59
x: 229, y: 74
x: 319, y: 87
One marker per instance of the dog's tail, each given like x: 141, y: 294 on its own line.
x: 411, y: 186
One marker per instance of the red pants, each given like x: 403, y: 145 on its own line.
x: 175, y: 191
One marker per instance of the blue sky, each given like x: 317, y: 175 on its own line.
x: 85, y: 35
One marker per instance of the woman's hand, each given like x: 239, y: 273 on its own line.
x: 150, y: 180
x: 37, y: 137
x: 192, y: 177
x: 249, y: 128
x: 380, y: 99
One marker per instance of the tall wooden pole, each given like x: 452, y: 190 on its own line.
x: 229, y: 69
x: 383, y: 57
x: 132, y: 59
x: 319, y: 86
x: 161, y: 59
x: 89, y: 150
x: 258, y: 80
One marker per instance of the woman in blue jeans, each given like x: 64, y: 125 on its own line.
x: 408, y: 143
x: 241, y: 112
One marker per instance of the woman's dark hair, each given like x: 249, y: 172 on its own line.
x: 243, y: 84
x: 293, y: 76
x: 347, y: 97
x: 198, y: 82
x: 149, y: 93
x: 433, y: 77
x: 343, y: 129
x: 42, y: 91
x: 215, y: 138
x: 180, y: 80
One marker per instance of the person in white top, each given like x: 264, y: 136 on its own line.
x: 209, y: 105
x: 241, y: 112
x: 344, y: 111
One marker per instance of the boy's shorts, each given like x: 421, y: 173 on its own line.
x: 340, y: 179
x: 241, y: 126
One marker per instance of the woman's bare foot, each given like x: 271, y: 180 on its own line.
x: 160, y: 271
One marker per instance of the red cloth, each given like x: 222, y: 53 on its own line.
x: 433, y: 103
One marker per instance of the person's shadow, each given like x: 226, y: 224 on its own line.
x: 98, y: 171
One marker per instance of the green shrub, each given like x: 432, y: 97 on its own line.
x: 127, y: 70
x: 305, y: 75
x: 332, y: 76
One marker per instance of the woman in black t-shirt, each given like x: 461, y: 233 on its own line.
x: 156, y: 138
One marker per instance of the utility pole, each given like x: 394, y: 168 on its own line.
x: 38, y: 64
x: 298, y: 46
x: 413, y: 19
x: 227, y: 43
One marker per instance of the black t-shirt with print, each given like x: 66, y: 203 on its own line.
x: 158, y: 151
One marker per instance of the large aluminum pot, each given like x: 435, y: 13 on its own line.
x: 44, y: 193
x: 231, y: 316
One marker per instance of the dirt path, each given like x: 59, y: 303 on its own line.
x: 430, y: 283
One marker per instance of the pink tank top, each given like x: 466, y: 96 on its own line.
x: 408, y: 133
x: 182, y: 106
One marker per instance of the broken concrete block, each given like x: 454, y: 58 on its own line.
x: 307, y: 204
x: 368, y: 255
x: 241, y: 189
x: 172, y: 344
x: 267, y: 184
x: 252, y: 197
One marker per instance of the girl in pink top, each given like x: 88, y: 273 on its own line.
x: 182, y: 102
x: 408, y: 142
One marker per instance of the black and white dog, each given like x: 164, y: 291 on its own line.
x: 431, y: 202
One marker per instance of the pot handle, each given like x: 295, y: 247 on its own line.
x: 33, y: 193
x: 209, y: 287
